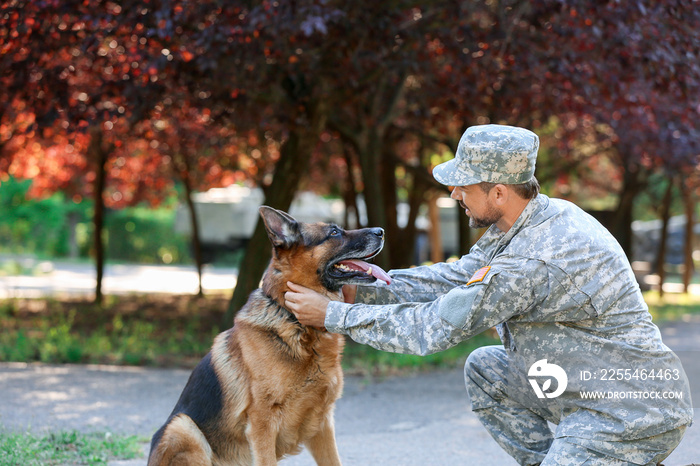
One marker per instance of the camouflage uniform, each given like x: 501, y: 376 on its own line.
x: 556, y: 286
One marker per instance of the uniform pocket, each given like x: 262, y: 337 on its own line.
x: 456, y: 306
x: 566, y: 302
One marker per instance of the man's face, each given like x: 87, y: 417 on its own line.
x: 477, y: 205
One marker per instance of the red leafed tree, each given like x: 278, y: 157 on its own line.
x: 381, y: 87
x: 632, y: 66
x: 250, y: 68
x: 75, y: 83
x: 192, y: 149
x: 429, y: 71
x: 110, y: 66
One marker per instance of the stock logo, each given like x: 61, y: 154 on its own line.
x: 543, y: 370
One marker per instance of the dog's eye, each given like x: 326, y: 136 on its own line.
x: 335, y: 232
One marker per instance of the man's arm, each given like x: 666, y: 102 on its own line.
x: 422, y: 284
x: 417, y: 284
x: 504, y: 291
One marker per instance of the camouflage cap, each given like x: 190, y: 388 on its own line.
x: 491, y: 153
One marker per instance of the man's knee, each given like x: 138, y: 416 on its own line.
x: 484, y: 374
x: 485, y: 362
x: 481, y: 360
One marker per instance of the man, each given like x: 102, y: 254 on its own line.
x: 579, y: 347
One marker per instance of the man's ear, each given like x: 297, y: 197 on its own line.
x: 500, y: 194
x: 282, y: 228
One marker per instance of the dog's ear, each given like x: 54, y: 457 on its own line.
x: 282, y: 228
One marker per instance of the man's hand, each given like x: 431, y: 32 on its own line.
x: 308, y: 306
x: 349, y: 293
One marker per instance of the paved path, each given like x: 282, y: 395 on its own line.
x: 399, y: 421
x: 417, y: 420
x: 78, y: 279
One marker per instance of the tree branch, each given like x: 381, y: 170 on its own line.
x: 394, y: 99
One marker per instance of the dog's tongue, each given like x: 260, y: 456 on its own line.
x: 372, y: 269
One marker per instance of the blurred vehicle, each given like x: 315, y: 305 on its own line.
x: 227, y: 216
x: 227, y: 219
x: 646, y: 236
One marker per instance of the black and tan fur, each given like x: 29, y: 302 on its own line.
x: 269, y: 384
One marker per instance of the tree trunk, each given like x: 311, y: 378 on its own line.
x: 196, y: 237
x: 279, y: 196
x: 371, y: 167
x: 465, y: 233
x: 622, y: 229
x: 73, y: 248
x: 436, y: 252
x: 99, y: 154
x: 295, y: 155
x: 661, y: 254
x: 184, y: 175
x: 416, y: 198
x: 689, y: 206
x: 368, y: 140
x: 394, y: 243
x: 350, y: 192
x: 196, y: 241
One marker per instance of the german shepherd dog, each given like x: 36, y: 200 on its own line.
x: 269, y: 383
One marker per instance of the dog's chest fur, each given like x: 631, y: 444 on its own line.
x: 278, y: 370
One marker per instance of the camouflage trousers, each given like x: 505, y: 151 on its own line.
x: 519, y: 422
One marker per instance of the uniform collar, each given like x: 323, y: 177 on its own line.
x: 535, y: 206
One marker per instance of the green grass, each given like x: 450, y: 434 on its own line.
x: 672, y: 306
x: 160, y: 331
x: 178, y: 331
x: 364, y: 360
x: 128, y: 343
x: 63, y: 448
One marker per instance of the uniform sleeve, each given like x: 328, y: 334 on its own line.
x: 422, y: 284
x: 506, y: 289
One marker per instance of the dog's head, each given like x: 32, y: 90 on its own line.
x: 321, y: 255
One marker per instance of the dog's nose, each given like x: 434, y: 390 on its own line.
x: 379, y: 232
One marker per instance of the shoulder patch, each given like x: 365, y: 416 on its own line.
x: 479, y: 275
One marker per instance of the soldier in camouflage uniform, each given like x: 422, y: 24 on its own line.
x: 579, y: 348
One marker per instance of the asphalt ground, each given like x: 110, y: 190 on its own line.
x: 415, y: 420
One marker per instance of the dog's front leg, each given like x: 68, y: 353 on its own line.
x: 322, y: 446
x: 262, y: 437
